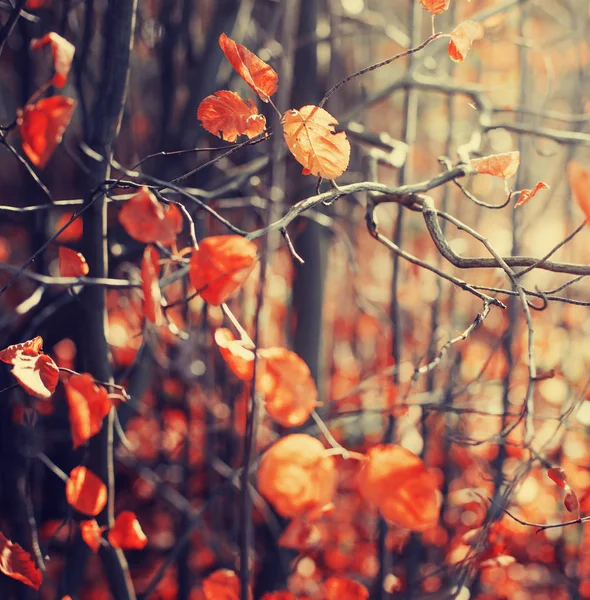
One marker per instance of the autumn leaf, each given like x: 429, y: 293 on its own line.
x: 557, y: 475
x: 127, y: 533
x: 309, y: 133
x: 342, y: 588
x: 289, y: 391
x: 146, y: 220
x: 30, y: 347
x: 526, y: 195
x: 91, y: 534
x: 73, y: 232
x: 85, y: 491
x: 72, y: 263
x: 16, y: 563
x: 297, y: 477
x: 253, y: 70
x: 221, y: 265
x: 399, y: 485
x: 499, y: 165
x: 42, y: 126
x: 223, y: 584
x: 579, y: 180
x: 227, y: 116
x: 570, y: 500
x: 152, y: 297
x: 435, y: 6
x: 37, y: 375
x: 280, y: 595
x: 88, y: 404
x: 462, y: 37
x: 62, y: 53
x: 238, y: 354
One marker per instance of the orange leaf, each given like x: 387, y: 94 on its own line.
x: 37, y: 375
x: 297, y: 477
x: 62, y: 53
x: 309, y: 133
x: 239, y: 357
x: 557, y: 475
x: 526, y: 195
x: 72, y: 263
x: 500, y: 165
x: 396, y: 481
x: 73, y: 232
x: 290, y: 393
x: 91, y: 534
x: 462, y: 37
x: 42, y: 126
x: 85, y: 491
x: 222, y: 584
x: 88, y: 405
x: 254, y: 71
x: 342, y: 588
x: 435, y: 6
x: 127, y: 533
x: 30, y: 347
x: 152, y: 297
x: 579, y: 180
x: 145, y: 219
x: 220, y: 266
x: 18, y: 564
x: 227, y: 116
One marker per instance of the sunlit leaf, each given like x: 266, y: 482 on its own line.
x: 72, y: 263
x: 498, y: 165
x: 526, y: 195
x: 37, y: 375
x: 238, y: 354
x: 227, y: 116
x: 223, y: 584
x: 310, y: 135
x: 85, y: 491
x: 42, y: 126
x: 62, y: 53
x: 462, y: 37
x: 579, y: 180
x: 127, y: 533
x: 30, y: 347
x: 91, y: 534
x: 253, y: 70
x: 17, y: 563
x: 152, y: 296
x: 436, y: 6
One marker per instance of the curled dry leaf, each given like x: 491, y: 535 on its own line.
x: 238, y: 354
x: 462, y: 37
x: 42, y: 126
x: 526, y: 195
x: 396, y: 481
x: 220, y: 266
x: 579, y: 180
x: 152, y: 296
x: 260, y: 76
x: 88, y: 404
x: 37, y: 375
x: 227, y: 116
x: 297, y: 477
x: 223, y: 584
x: 435, y: 6
x: 72, y: 263
x: 127, y: 533
x: 342, y: 588
x: 499, y: 165
x: 30, y: 347
x: 91, y: 534
x: 85, y: 491
x: 289, y: 391
x: 17, y: 563
x: 311, y: 138
x: 147, y: 221
x: 62, y: 53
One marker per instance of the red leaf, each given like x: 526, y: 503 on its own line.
x: 86, y: 492
x: 462, y: 37
x: 18, y: 564
x: 127, y: 533
x: 342, y: 588
x: 526, y: 195
x: 42, y: 126
x: 73, y: 232
x: 557, y: 475
x: 30, y: 347
x: 150, y: 270
x: 236, y: 353
x: 570, y: 500
x: 227, y: 116
x: 91, y: 534
x: 499, y: 165
x: 145, y: 219
x: 220, y: 266
x: 579, y: 180
x: 62, y: 53
x: 435, y: 6
x: 37, y: 375
x: 282, y: 595
x: 88, y: 405
x: 222, y: 584
x: 72, y: 263
x: 254, y: 71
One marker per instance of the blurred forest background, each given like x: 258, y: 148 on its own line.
x: 363, y: 318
